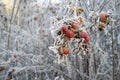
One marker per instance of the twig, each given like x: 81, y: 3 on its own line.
x: 18, y: 7
x: 104, y: 5
x: 9, y: 28
x: 101, y: 5
x: 113, y: 57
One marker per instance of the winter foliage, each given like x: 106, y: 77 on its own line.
x: 59, y: 40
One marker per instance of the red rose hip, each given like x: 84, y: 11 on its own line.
x: 65, y: 50
x: 69, y: 34
x: 64, y: 29
x: 85, y: 36
x: 74, y: 25
x: 103, y: 17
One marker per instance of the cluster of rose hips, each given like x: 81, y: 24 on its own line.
x: 71, y: 29
x: 103, y: 20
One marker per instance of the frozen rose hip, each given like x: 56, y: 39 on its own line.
x: 65, y: 50
x: 85, y: 36
x: 64, y: 29
x: 74, y: 25
x: 103, y: 17
x: 69, y: 34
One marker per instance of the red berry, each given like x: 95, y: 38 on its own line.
x: 69, y: 34
x: 74, y: 25
x: 65, y: 50
x: 103, y: 17
x: 85, y: 36
x: 64, y: 29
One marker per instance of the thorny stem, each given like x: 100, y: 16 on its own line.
x: 113, y: 39
x: 95, y: 63
x: 86, y: 9
x: 86, y: 6
x: 113, y: 57
x: 94, y: 1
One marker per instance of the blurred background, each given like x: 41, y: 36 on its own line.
x: 27, y: 32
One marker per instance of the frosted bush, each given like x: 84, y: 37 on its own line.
x: 31, y: 40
